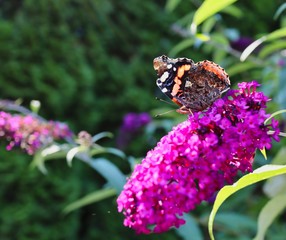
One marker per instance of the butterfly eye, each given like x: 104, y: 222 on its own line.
x: 164, y: 58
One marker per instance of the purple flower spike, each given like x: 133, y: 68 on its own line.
x: 29, y: 133
x: 196, y: 159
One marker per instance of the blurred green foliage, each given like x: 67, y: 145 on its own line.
x: 89, y: 62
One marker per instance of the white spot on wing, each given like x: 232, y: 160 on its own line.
x: 164, y: 90
x: 169, y: 66
x: 174, y: 69
x: 164, y: 76
x: 188, y: 84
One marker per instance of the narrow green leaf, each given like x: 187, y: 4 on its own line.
x: 262, y: 173
x: 181, y: 46
x: 89, y: 199
x: 270, y: 211
x: 110, y: 172
x: 271, y: 48
x: 190, y: 228
x: 279, y: 33
x: 113, y: 151
x: 263, y: 152
x: 38, y: 161
x: 202, y: 37
x: 98, y: 136
x: 271, y: 36
x: 240, y: 67
x: 172, y: 4
x: 247, y: 51
x: 209, y: 8
x: 274, y: 114
x: 72, y: 152
x: 51, y: 152
x: 279, y: 11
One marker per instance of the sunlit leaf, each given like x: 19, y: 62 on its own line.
x: 89, y: 199
x: 269, y: 212
x: 263, y: 152
x: 190, y: 228
x: 72, y: 152
x: 274, y: 114
x: 271, y: 36
x: 209, y: 8
x: 262, y: 173
x: 276, y: 34
x: 202, y: 37
x: 115, y: 178
x: 247, y: 51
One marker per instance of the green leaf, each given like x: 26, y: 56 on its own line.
x: 271, y: 48
x: 72, y: 152
x: 240, y: 67
x: 89, y: 199
x: 276, y: 34
x: 202, y: 37
x: 110, y: 172
x: 49, y: 153
x: 209, y: 8
x: 274, y: 114
x: 263, y: 152
x: 98, y: 136
x: 271, y: 36
x: 279, y: 11
x: 190, y: 228
x: 172, y: 4
x: 270, y: 211
x: 181, y: 46
x: 113, y: 151
x: 262, y: 173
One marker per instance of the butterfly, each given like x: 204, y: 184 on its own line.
x: 192, y: 86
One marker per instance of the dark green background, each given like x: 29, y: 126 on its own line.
x: 89, y: 63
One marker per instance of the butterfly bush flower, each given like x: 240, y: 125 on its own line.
x: 196, y: 159
x: 132, y: 124
x: 29, y: 133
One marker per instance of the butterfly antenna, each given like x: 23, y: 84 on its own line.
x: 162, y: 100
x: 160, y: 114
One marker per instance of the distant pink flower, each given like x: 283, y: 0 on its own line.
x: 29, y: 133
x: 196, y: 159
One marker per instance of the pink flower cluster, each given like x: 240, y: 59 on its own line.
x: 29, y: 133
x: 196, y: 159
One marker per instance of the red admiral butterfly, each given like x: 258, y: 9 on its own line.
x: 193, y: 86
